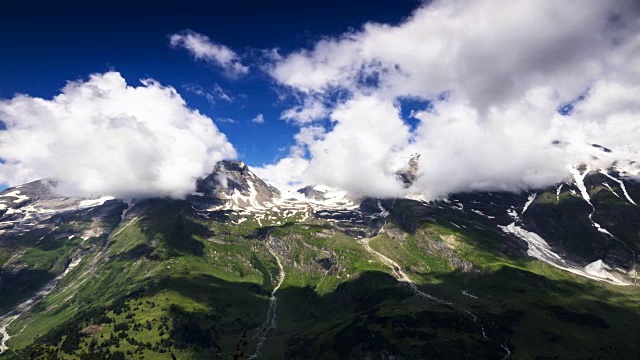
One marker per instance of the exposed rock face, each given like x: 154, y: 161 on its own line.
x: 23, y: 195
x: 342, y: 258
x: 593, y: 217
x: 36, y: 205
x: 311, y: 193
x: 600, y: 147
x: 233, y: 177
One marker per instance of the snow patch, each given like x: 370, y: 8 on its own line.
x: 16, y: 194
x: 579, y: 179
x: 621, y: 183
x: 599, y: 268
x: 383, y: 212
x: 466, y: 293
x: 530, y: 200
x: 512, y: 213
x: 558, y: 193
x: 483, y: 214
x: 27, y: 305
x: 540, y: 249
x: 95, y: 202
x: 610, y: 189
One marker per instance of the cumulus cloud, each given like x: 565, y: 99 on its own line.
x: 258, y: 119
x: 311, y: 109
x: 203, y: 48
x: 104, y: 137
x: 288, y: 173
x: 494, y: 74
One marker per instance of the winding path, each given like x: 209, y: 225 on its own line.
x: 403, y: 277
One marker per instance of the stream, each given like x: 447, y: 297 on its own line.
x: 11, y: 316
x: 404, y: 278
x: 269, y: 324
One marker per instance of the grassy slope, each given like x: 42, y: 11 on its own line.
x: 557, y: 313
x: 178, y: 271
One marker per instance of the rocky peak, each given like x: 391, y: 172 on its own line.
x: 409, y: 174
x: 234, y: 178
x: 233, y: 166
x: 311, y: 193
x: 19, y: 196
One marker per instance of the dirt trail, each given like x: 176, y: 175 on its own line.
x: 401, y: 276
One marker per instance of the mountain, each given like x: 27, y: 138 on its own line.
x: 240, y: 269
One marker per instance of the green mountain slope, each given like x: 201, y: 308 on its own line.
x: 401, y: 279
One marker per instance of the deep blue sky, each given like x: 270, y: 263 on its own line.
x: 46, y: 45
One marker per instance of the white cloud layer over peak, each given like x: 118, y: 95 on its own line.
x: 104, y: 137
x: 258, y: 119
x: 202, y: 48
x: 495, y: 74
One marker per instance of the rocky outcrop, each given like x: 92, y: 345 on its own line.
x: 409, y: 174
x: 233, y: 178
x: 311, y: 193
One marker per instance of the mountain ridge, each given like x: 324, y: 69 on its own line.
x: 273, y: 249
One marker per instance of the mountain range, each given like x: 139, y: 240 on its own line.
x: 240, y: 269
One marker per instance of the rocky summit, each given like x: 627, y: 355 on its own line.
x: 242, y: 270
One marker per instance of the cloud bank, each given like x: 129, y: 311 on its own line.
x: 202, y: 48
x: 515, y: 93
x: 104, y: 137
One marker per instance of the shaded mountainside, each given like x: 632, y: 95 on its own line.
x: 241, y: 270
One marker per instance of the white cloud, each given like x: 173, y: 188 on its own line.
x: 505, y: 67
x: 309, y: 111
x: 356, y: 155
x: 226, y: 120
x: 200, y: 91
x: 104, y: 137
x: 287, y: 173
x: 258, y: 119
x: 202, y: 48
x: 212, y: 97
x: 222, y: 95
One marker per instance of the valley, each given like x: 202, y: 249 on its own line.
x: 243, y: 270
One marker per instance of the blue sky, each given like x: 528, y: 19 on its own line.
x: 46, y: 46
x: 494, y: 95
